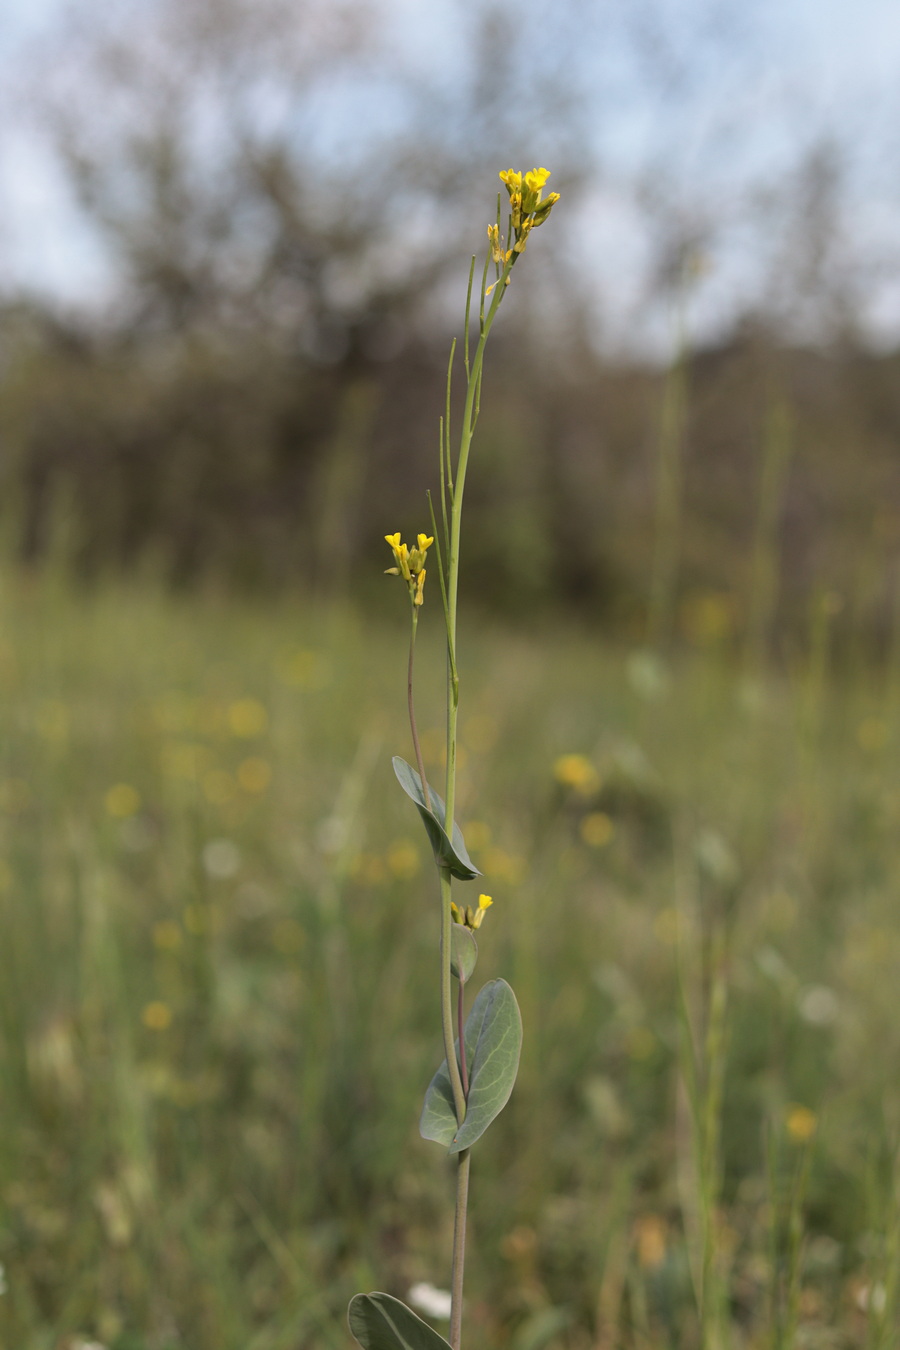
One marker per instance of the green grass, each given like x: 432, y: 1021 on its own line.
x: 218, y: 984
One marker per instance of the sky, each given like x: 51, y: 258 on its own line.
x: 716, y: 105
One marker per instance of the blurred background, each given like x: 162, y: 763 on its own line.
x: 234, y: 242
x: 234, y: 247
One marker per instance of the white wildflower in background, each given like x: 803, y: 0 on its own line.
x: 434, y: 1302
x: 818, y: 1005
x: 221, y: 859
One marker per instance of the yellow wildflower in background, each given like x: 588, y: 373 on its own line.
x: 478, y: 835
x: 247, y: 718
x: 577, y: 771
x: 503, y: 866
x: 597, y: 829
x: 157, y: 1016
x: 122, y: 801
x: 403, y: 859
x: 650, y: 1234
x: 167, y: 935
x: 801, y: 1124
x: 254, y: 774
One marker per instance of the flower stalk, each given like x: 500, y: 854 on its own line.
x: 445, y: 1116
x: 527, y: 210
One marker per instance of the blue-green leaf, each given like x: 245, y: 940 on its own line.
x: 463, y: 952
x: 493, y: 1044
x: 452, y: 855
x: 438, y: 1118
x: 380, y: 1322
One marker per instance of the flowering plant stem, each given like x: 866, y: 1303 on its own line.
x: 414, y: 730
x: 455, y: 493
x: 472, y: 1086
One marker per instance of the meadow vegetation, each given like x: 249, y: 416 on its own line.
x: 217, y: 994
x: 680, y: 665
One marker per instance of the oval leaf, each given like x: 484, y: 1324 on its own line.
x: 495, y: 1061
x: 463, y: 952
x: 452, y: 855
x: 493, y: 1044
x: 380, y: 1322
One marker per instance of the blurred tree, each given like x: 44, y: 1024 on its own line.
x: 287, y: 196
x: 281, y: 236
x: 272, y: 165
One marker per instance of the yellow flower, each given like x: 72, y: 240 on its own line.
x: 469, y: 917
x: 410, y: 563
x: 531, y: 193
x: 417, y: 554
x: 484, y: 903
x: 527, y: 206
x: 536, y: 179
x: 401, y: 555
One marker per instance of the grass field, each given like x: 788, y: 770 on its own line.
x: 218, y: 975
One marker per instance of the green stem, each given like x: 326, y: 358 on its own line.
x: 459, y: 1098
x: 447, y: 1024
x: 465, y: 441
x: 461, y: 1032
x: 412, y: 708
x: 473, y: 374
x: 459, y: 1248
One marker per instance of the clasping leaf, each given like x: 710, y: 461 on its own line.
x: 452, y: 855
x: 493, y: 1044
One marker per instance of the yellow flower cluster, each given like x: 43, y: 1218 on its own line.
x: 410, y: 563
x: 529, y: 207
x: 469, y: 917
